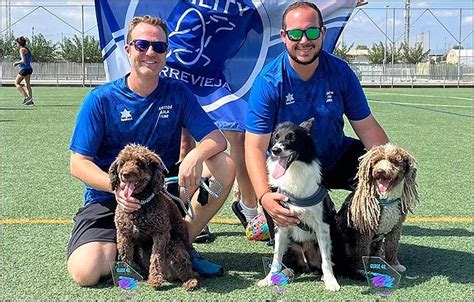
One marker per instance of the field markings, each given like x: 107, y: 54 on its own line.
x: 421, y: 104
x: 217, y: 220
x: 421, y: 95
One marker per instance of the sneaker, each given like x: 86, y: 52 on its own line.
x: 29, y: 103
x: 25, y: 100
x: 237, y: 209
x: 205, y: 236
x: 205, y: 268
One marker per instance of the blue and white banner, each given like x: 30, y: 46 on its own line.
x: 216, y: 46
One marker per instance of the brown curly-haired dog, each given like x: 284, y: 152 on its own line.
x: 369, y: 222
x: 153, y: 238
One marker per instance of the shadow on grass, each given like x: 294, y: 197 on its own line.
x: 423, y: 263
x: 412, y: 230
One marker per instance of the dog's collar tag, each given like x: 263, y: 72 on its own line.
x: 385, y: 202
x: 145, y: 201
x: 312, y: 200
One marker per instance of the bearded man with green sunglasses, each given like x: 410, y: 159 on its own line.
x: 307, y: 82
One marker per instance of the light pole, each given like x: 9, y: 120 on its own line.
x: 385, y: 45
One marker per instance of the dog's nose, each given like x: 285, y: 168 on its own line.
x: 276, y: 150
x: 379, y: 173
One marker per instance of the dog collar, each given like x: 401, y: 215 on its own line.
x: 312, y: 200
x: 385, y: 202
x: 145, y: 201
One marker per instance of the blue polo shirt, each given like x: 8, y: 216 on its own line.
x: 280, y: 95
x: 113, y: 116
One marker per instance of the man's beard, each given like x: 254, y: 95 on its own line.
x: 295, y: 58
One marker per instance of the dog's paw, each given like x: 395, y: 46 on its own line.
x: 267, y: 281
x: 190, y: 284
x: 331, y: 283
x: 399, y: 268
x: 155, y: 282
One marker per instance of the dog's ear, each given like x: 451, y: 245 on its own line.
x: 158, y: 168
x: 113, y: 173
x: 364, y: 211
x: 410, y: 193
x: 308, y: 124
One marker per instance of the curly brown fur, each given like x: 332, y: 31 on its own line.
x: 153, y: 238
x: 365, y: 228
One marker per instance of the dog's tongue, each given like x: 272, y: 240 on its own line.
x: 383, y: 185
x: 280, y: 167
x: 128, y: 190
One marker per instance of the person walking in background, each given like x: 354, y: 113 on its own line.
x: 25, y: 71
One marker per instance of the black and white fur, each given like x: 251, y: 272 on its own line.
x: 293, y: 150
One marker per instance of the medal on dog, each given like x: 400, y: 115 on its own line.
x: 382, y: 278
x: 125, y: 277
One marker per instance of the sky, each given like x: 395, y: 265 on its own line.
x: 434, y: 23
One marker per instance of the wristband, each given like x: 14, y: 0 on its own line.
x: 259, y: 200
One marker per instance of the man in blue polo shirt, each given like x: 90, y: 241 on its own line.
x: 146, y: 109
x: 304, y: 82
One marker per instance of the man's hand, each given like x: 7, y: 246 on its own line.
x: 190, y: 171
x: 282, y: 217
x: 129, y: 205
x: 16, y: 63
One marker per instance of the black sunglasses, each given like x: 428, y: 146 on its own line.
x: 143, y: 45
x: 311, y: 33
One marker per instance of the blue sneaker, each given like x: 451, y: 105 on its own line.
x: 205, y: 268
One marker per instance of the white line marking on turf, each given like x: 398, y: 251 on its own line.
x: 421, y: 104
x: 421, y: 95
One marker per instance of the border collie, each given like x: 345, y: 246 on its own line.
x: 294, y: 170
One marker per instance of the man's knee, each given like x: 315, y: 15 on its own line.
x: 222, y: 168
x: 89, y: 262
x: 18, y: 85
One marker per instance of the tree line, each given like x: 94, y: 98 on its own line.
x: 377, y: 54
x: 44, y: 50
x: 70, y: 50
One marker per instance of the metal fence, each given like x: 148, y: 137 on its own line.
x: 442, y: 74
x: 57, y: 74
x: 411, y: 75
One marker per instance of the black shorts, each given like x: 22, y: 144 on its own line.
x: 25, y: 72
x: 344, y: 173
x: 95, y: 222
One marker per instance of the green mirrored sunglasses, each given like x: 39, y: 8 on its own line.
x: 311, y: 33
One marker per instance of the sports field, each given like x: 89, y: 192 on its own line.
x: 39, y: 199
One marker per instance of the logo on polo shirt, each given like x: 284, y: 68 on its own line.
x: 289, y: 99
x: 329, y: 95
x: 165, y: 111
x: 125, y: 115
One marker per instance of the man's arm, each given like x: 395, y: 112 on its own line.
x: 370, y: 132
x: 190, y: 170
x: 255, y: 149
x: 83, y: 168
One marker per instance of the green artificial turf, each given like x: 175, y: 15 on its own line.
x: 434, y: 125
